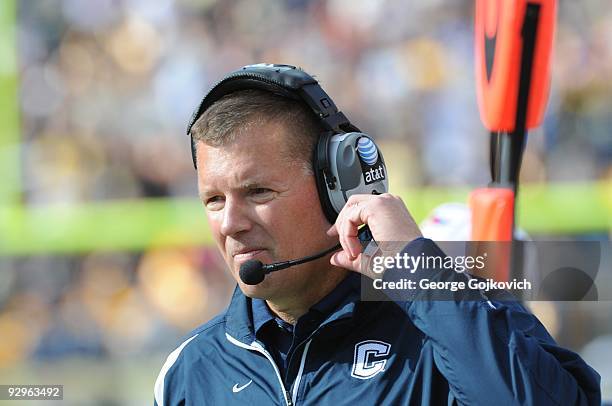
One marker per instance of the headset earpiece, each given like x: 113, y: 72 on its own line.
x: 347, y: 164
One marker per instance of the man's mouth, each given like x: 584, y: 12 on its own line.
x: 246, y: 254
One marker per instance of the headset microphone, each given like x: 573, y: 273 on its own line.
x: 253, y: 271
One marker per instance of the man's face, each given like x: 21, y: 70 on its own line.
x: 263, y: 205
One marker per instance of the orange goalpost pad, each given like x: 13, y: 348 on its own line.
x: 492, y: 217
x: 492, y: 214
x: 498, y: 47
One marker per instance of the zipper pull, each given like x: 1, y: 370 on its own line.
x: 288, y: 396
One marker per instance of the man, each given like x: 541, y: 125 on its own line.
x: 302, y: 335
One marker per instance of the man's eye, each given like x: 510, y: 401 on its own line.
x: 213, y: 201
x: 261, y: 193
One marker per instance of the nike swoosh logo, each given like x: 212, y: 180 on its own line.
x: 237, y: 388
x: 491, y: 42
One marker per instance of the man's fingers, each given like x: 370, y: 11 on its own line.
x: 332, y: 231
x: 358, y: 198
x: 385, y: 214
x: 347, y: 225
x: 342, y: 260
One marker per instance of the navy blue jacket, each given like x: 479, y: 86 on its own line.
x: 422, y: 352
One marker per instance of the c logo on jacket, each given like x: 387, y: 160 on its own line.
x: 366, y: 361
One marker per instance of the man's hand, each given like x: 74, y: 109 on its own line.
x: 385, y: 214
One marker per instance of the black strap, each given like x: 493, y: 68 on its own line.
x: 506, y: 150
x: 529, y: 33
x: 325, y: 108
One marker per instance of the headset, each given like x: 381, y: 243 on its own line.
x: 345, y: 162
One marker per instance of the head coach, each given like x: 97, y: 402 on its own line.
x: 284, y: 177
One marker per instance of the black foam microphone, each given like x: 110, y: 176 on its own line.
x: 253, y: 271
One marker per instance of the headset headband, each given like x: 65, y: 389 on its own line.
x: 283, y: 80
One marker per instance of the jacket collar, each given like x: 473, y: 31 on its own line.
x: 239, y: 316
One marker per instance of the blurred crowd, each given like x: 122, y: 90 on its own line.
x: 106, y: 88
x: 109, y: 305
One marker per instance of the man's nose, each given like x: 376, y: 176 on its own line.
x: 235, y: 218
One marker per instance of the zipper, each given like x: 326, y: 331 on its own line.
x: 255, y: 346
x: 310, y: 336
x: 290, y: 398
x: 298, y: 378
x: 308, y: 340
